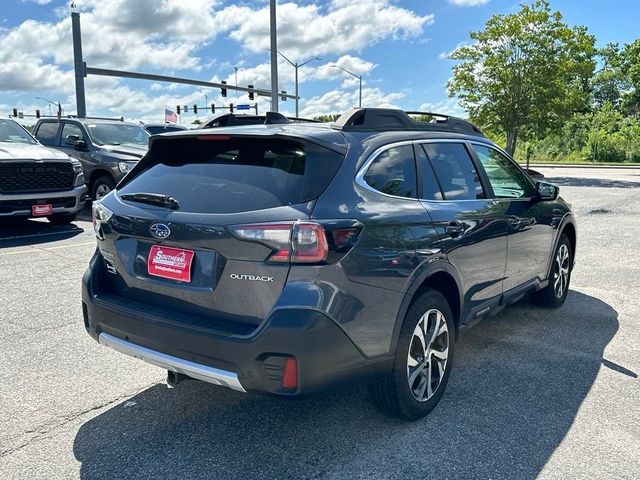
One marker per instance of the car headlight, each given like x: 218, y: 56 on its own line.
x: 79, y: 180
x: 77, y: 166
x: 100, y: 214
x: 125, y: 167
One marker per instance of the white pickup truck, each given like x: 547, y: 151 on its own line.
x: 36, y: 181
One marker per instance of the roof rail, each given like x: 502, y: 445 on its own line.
x: 383, y: 119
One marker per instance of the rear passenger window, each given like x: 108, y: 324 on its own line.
x: 47, y: 133
x: 430, y: 188
x: 394, y: 172
x: 454, y: 170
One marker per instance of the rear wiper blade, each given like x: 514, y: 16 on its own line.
x: 152, y: 199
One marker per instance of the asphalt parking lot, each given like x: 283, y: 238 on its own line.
x: 533, y: 393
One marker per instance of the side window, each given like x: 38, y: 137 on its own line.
x: 506, y: 180
x: 454, y: 170
x: 430, y: 188
x: 71, y: 129
x: 47, y: 133
x: 394, y: 172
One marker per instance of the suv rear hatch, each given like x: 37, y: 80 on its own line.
x: 200, y: 231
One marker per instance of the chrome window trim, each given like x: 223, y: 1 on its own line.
x: 359, y: 179
x: 365, y: 166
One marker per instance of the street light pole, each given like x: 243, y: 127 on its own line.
x: 274, y: 56
x: 56, y: 104
x: 359, y: 77
x: 296, y: 66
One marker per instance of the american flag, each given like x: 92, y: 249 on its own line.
x: 170, y: 116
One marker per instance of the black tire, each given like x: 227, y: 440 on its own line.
x: 100, y: 184
x: 62, y: 218
x: 393, y: 394
x: 548, y: 297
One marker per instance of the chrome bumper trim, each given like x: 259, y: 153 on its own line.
x: 175, y: 364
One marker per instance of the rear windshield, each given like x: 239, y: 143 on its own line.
x: 235, y: 175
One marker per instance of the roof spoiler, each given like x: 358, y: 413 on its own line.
x: 383, y: 119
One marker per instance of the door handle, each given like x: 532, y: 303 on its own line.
x: 454, y: 229
x: 514, y: 221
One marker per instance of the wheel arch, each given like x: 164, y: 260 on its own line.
x: 441, y: 276
x: 100, y: 172
x: 568, y: 227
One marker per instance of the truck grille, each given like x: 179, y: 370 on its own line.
x: 27, y: 177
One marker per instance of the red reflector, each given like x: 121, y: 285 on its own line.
x: 290, y: 375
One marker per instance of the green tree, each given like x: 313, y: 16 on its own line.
x: 629, y: 65
x: 525, y: 74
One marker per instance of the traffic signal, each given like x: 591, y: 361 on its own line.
x: 213, y: 108
x: 15, y: 112
x: 231, y: 107
x: 284, y: 95
x: 37, y: 113
x: 223, y: 91
x: 250, y: 92
x: 178, y: 109
x: 186, y: 108
x: 195, y: 108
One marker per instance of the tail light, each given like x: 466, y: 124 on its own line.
x: 296, y: 242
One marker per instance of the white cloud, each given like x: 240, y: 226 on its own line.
x: 448, y: 106
x: 337, y: 101
x: 172, y: 35
x: 468, y: 3
x: 344, y: 25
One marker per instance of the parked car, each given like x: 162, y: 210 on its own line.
x: 107, y: 149
x: 229, y: 119
x: 36, y: 181
x: 158, y: 128
x: 291, y: 259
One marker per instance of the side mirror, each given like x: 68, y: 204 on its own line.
x: 547, y: 191
x: 75, y: 142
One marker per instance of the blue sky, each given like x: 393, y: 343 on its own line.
x: 398, y: 47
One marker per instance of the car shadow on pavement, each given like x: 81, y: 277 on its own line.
x: 518, y: 381
x: 21, y: 232
x: 592, y: 182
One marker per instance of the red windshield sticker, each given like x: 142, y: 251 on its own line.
x: 41, y: 210
x: 171, y: 263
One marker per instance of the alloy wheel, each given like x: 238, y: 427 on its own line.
x: 102, y: 190
x: 428, y: 353
x: 561, y: 271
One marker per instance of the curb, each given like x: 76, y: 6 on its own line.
x: 568, y: 165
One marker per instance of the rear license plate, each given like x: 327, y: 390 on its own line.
x: 171, y: 263
x: 41, y: 210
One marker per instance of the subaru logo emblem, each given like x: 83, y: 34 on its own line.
x: 159, y: 230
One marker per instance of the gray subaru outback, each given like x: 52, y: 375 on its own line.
x: 294, y: 258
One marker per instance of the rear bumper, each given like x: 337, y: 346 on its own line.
x: 19, y: 204
x: 175, y: 364
x: 253, y: 362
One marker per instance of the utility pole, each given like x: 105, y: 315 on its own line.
x: 297, y: 65
x: 274, y: 56
x: 236, y: 70
x: 359, y: 77
x: 78, y: 63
